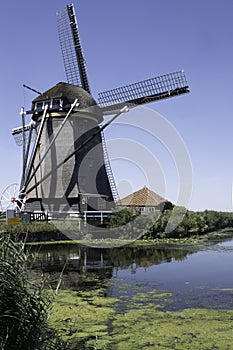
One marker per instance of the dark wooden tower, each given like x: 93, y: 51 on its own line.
x: 80, y: 183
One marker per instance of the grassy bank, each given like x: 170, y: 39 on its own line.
x: 45, y: 233
x: 32, y: 232
x: 177, y: 224
x: 194, y: 241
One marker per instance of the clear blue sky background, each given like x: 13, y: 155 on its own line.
x: 126, y: 41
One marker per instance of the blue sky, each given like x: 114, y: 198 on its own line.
x: 124, y: 42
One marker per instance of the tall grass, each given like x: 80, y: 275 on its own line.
x: 32, y: 227
x: 23, y: 306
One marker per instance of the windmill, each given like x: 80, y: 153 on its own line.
x: 65, y: 162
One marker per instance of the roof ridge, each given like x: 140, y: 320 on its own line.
x: 143, y: 197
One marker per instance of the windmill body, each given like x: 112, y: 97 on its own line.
x: 81, y: 183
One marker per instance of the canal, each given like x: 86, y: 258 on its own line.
x: 139, y: 283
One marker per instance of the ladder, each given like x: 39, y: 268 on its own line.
x: 111, y: 180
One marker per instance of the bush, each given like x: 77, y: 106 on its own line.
x: 122, y: 217
x: 181, y: 223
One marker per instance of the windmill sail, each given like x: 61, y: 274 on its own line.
x: 74, y: 62
x: 146, y: 91
x: 17, y: 133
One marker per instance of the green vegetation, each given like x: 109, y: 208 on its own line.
x: 177, y: 222
x: 81, y: 318
x: 126, y: 225
x: 184, y: 223
x: 23, y: 305
x: 33, y: 227
x: 91, y: 320
x: 31, y: 232
x: 184, y: 330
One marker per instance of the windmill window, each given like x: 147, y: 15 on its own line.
x: 56, y: 104
x: 47, y: 103
x: 39, y: 106
x: 52, y: 104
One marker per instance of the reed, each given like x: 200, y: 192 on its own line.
x: 24, y: 306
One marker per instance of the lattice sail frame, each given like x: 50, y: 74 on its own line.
x: 149, y: 90
x: 70, y: 42
x: 17, y: 133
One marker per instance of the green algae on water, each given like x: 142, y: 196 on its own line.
x: 187, y: 329
x: 91, y: 320
x: 75, y: 316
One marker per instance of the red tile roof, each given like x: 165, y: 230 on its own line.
x: 142, y: 198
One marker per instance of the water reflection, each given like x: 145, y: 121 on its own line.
x: 84, y: 267
x: 83, y: 259
x: 195, y: 278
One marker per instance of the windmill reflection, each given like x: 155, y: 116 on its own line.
x: 84, y: 267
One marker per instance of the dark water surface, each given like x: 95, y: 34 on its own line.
x: 196, y: 279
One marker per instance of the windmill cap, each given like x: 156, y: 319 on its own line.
x: 68, y: 93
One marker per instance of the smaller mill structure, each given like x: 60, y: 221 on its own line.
x: 65, y: 162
